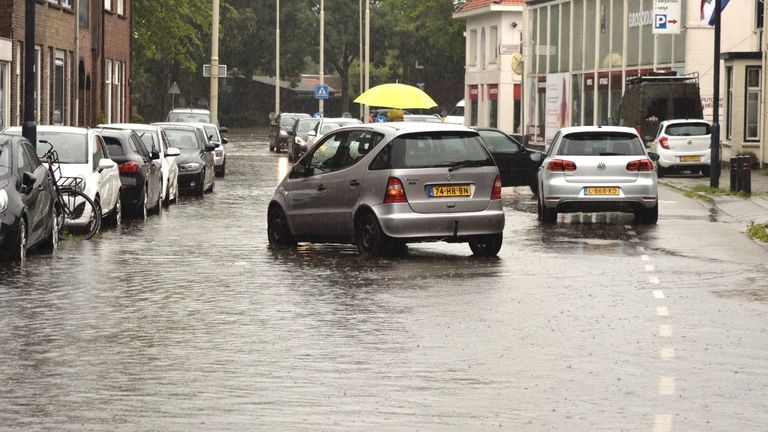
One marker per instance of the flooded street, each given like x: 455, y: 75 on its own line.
x: 189, y: 322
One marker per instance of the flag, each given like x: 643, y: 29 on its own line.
x: 708, y: 10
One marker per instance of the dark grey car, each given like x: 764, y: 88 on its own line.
x: 380, y: 186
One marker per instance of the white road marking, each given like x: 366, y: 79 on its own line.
x: 645, y: 257
x: 649, y: 268
x: 634, y: 240
x: 662, y: 311
x: 663, y: 423
x: 665, y: 331
x: 666, y: 385
x: 658, y: 294
x: 667, y: 353
x: 654, y: 280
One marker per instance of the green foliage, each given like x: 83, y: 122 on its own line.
x: 757, y: 231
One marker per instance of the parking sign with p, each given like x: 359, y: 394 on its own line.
x: 666, y: 16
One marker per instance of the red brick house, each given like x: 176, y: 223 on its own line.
x: 84, y: 65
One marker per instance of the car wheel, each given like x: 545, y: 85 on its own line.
x: 278, y: 231
x: 487, y: 245
x: 159, y: 207
x: 534, y: 187
x: 19, y: 253
x: 371, y: 239
x: 221, y: 171
x: 115, y: 218
x: 271, y: 144
x: 200, y: 188
x: 706, y: 171
x: 660, y: 171
x: 141, y: 208
x: 546, y: 215
x: 648, y: 216
x: 51, y: 242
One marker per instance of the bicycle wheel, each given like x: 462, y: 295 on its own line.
x: 74, y: 205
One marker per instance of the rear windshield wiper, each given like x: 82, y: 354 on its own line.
x: 466, y: 164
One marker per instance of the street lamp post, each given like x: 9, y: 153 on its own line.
x: 29, y: 128
x: 214, y: 104
x: 322, y: 52
x: 714, y: 173
x: 367, y: 110
x: 360, y: 33
x: 277, y: 59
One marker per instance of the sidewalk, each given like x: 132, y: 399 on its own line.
x: 741, y: 208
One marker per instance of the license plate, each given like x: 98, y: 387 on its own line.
x: 690, y: 158
x: 605, y: 191
x: 449, y: 191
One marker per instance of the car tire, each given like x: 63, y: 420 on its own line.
x: 158, y: 210
x: 221, y: 171
x: 487, y: 245
x: 200, y: 188
x: 660, y: 171
x: 271, y: 144
x: 19, y: 250
x: 278, y: 231
x: 648, y: 216
x: 370, y: 238
x: 546, y: 215
x: 534, y: 187
x: 115, y: 217
x: 141, y: 207
x: 51, y: 241
x: 706, y: 171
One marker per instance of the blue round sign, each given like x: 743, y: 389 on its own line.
x: 381, y: 118
x: 318, y: 115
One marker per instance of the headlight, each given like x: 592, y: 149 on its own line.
x: 283, y: 133
x: 3, y: 200
x: 189, y: 166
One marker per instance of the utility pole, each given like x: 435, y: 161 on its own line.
x: 76, y: 66
x: 360, y: 56
x: 29, y: 129
x: 277, y: 60
x: 367, y: 111
x: 714, y: 174
x: 214, y: 103
x: 322, y: 52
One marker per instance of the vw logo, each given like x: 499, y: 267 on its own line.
x: 601, y: 166
x: 449, y: 177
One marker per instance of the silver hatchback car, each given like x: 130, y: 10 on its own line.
x: 598, y: 169
x: 382, y: 185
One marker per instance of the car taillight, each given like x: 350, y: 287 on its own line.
x: 664, y: 142
x: 129, y: 168
x: 561, y: 165
x: 640, y: 165
x: 395, y: 192
x: 496, y: 191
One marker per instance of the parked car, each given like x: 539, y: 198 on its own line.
x: 298, y: 135
x: 456, y: 114
x: 220, y: 154
x: 142, y: 182
x: 279, y: 127
x: 598, y: 169
x: 196, y: 167
x: 189, y: 115
x: 380, y: 115
x: 327, y: 125
x: 518, y: 165
x: 83, y: 154
x: 380, y: 186
x: 683, y: 145
x: 27, y: 200
x: 155, y: 140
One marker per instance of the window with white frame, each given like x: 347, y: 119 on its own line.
x: 473, y: 47
x: 82, y: 11
x: 493, y: 43
x: 108, y: 91
x: 108, y: 5
x: 121, y: 7
x: 752, y: 109
x: 59, y: 89
x: 729, y: 103
x: 116, y: 84
x: 38, y: 70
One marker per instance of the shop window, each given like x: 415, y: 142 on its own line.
x: 617, y: 35
x: 565, y: 42
x: 543, y: 50
x: 533, y: 25
x: 646, y: 22
x: 576, y: 100
x: 604, y: 37
x: 589, y: 35
x: 752, y: 109
x: 578, y: 34
x: 554, y: 37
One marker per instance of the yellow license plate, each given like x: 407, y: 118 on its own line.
x: 449, y: 191
x: 605, y: 191
x: 690, y: 158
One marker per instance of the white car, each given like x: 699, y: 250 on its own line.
x: 154, y: 139
x: 327, y: 125
x: 220, y: 154
x: 82, y: 153
x: 683, y: 145
x: 456, y: 115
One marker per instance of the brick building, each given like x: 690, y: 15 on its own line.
x: 83, y: 65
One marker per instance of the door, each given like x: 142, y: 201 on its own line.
x: 150, y: 168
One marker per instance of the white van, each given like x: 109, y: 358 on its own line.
x: 456, y: 114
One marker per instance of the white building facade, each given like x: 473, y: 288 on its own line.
x: 493, y: 67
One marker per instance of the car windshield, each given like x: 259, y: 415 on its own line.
x: 188, y: 117
x: 306, y: 126
x: 600, y: 144
x: 72, y: 148
x: 688, y: 129
x: 182, y: 139
x: 5, y: 159
x: 436, y: 149
x: 498, y: 142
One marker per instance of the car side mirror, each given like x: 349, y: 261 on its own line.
x: 210, y: 147
x: 224, y: 140
x: 536, y: 156
x: 299, y: 170
x: 105, y: 163
x: 654, y: 156
x: 172, y: 151
x: 27, y: 182
x: 223, y: 130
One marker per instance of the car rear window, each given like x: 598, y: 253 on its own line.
x: 600, y: 144
x: 72, y: 148
x: 113, y: 146
x: 182, y: 139
x: 433, y: 149
x: 688, y: 129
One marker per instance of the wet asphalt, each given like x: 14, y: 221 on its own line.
x: 189, y: 322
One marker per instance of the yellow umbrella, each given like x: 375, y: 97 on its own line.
x: 395, y: 95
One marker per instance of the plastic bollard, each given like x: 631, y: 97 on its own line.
x: 734, y: 174
x: 746, y: 174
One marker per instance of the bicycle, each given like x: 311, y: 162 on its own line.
x: 71, y: 202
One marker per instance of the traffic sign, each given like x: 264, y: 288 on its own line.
x: 207, y: 71
x: 666, y: 16
x: 381, y: 118
x: 321, y: 91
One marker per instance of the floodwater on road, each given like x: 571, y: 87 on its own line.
x: 188, y: 322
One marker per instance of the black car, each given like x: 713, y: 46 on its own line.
x: 196, y: 163
x: 517, y: 164
x: 141, y: 179
x: 297, y: 137
x: 27, y: 200
x: 279, y: 127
